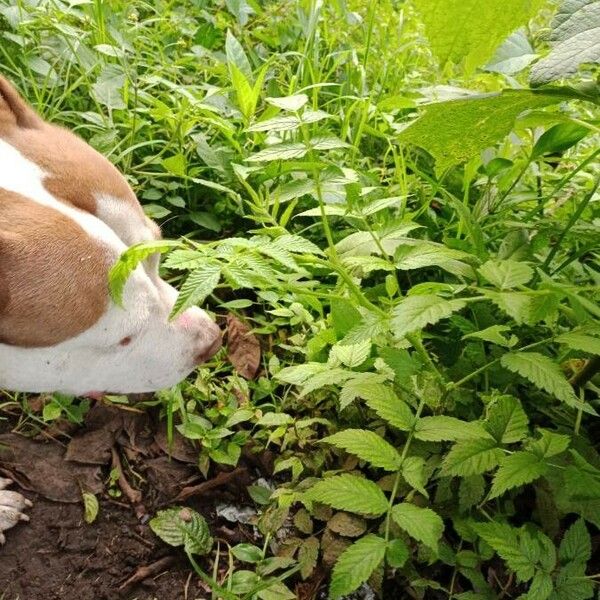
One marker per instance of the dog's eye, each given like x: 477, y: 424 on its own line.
x: 125, y: 341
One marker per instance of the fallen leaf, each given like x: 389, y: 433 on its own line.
x: 243, y: 349
x: 347, y: 525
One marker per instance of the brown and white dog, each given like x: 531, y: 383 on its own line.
x: 66, y: 215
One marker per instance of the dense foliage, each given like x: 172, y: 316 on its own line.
x: 411, y: 230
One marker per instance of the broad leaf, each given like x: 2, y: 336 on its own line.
x: 351, y: 493
x: 506, y: 274
x: 559, y: 138
x: 507, y: 421
x: 576, y: 40
x: 423, y: 524
x: 472, y: 457
x: 542, y: 372
x: 516, y: 470
x: 470, y: 30
x: 418, y: 311
x: 182, y: 526
x: 384, y: 401
x: 443, y: 428
x: 576, y: 545
x: 505, y: 541
x: 236, y: 56
x: 368, y: 446
x: 513, y: 56
x: 350, y: 355
x: 580, y: 341
x: 413, y: 471
x: 356, y: 564
x: 456, y: 131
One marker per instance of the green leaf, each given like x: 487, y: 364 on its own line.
x: 576, y: 545
x: 350, y: 355
x: 507, y: 421
x: 423, y: 524
x: 454, y: 132
x: 176, y: 164
x: 517, y: 305
x: 470, y: 30
x: 350, y: 493
x: 575, y: 41
x: 505, y: 541
x: 291, y: 103
x: 415, y: 312
x: 198, y: 285
x: 542, y: 372
x: 384, y: 401
x: 513, y: 56
x: 237, y: 57
x: 397, y: 553
x: 368, y: 446
x: 443, y: 428
x: 90, y: 507
x: 559, y: 138
x: 579, y: 341
x: 506, y: 274
x: 472, y: 457
x: 413, y: 471
x: 283, y: 151
x: 344, y: 316
x: 516, y: 470
x: 297, y: 245
x: 182, y: 526
x: 247, y: 553
x: 128, y: 262
x: 422, y: 254
x: 550, y: 444
x: 493, y: 334
x: 541, y: 586
x: 356, y: 564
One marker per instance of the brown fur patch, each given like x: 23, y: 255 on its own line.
x: 53, y: 275
x: 76, y: 173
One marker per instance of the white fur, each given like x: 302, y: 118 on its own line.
x: 160, y: 354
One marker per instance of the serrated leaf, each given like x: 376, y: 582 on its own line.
x: 350, y: 355
x: 368, y: 446
x: 550, y: 444
x: 576, y: 545
x: 297, y: 245
x: 517, y: 305
x: 542, y: 372
x: 575, y: 33
x: 90, y: 507
x: 470, y: 30
x: 472, y: 457
x: 182, y: 526
x: 507, y: 421
x: 517, y: 470
x: 413, y: 471
x: 199, y: 284
x: 579, y: 341
x: 506, y: 274
x: 327, y: 143
x: 384, y: 401
x: 397, y: 553
x: 129, y: 261
x: 541, y: 586
x: 426, y: 254
x: 422, y: 524
x: 418, y: 311
x: 356, y: 564
x: 444, y: 428
x: 308, y: 554
x: 351, y: 493
x: 347, y: 525
x: 505, y: 541
x: 453, y: 132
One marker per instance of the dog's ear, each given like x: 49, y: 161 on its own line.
x: 14, y: 108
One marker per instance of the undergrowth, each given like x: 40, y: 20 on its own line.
x: 422, y: 276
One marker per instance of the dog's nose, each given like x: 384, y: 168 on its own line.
x: 214, y: 334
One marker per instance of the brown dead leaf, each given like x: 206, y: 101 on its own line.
x: 347, y: 525
x: 243, y: 348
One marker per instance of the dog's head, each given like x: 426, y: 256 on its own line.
x: 66, y: 215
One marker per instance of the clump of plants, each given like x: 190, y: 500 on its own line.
x: 417, y: 255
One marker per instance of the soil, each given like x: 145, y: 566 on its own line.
x: 58, y: 556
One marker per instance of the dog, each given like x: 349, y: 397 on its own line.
x: 66, y: 215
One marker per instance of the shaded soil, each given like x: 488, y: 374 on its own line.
x: 58, y: 556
